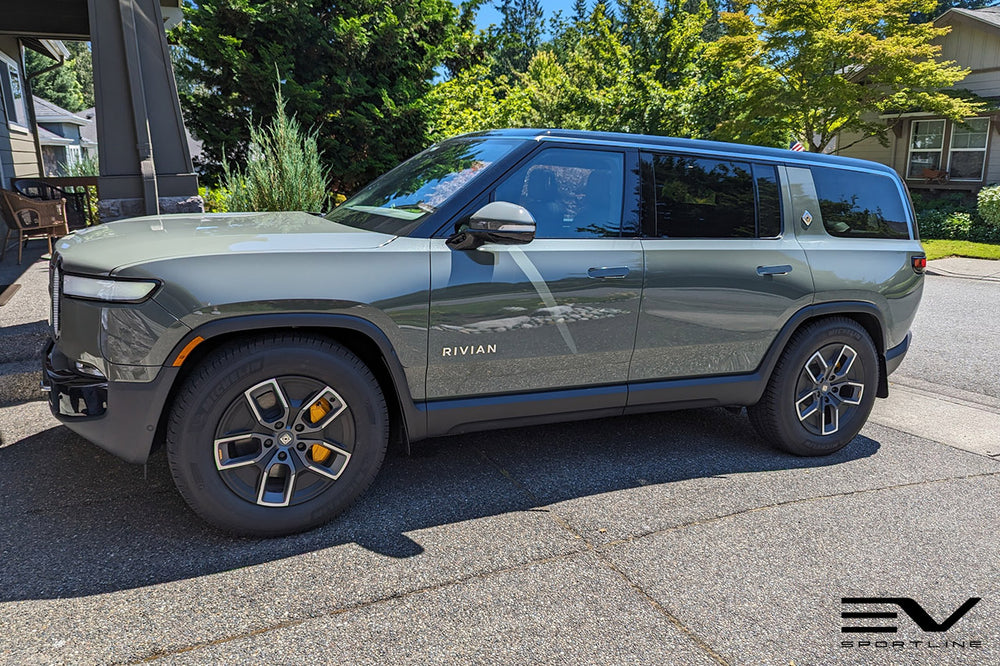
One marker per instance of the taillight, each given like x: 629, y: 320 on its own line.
x: 919, y: 263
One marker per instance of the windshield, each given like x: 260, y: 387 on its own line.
x: 398, y: 201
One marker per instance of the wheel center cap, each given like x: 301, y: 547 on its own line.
x: 824, y: 388
x: 285, y: 438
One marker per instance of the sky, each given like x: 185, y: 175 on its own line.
x: 488, y: 13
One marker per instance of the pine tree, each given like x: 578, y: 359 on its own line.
x: 59, y: 86
x: 355, y: 72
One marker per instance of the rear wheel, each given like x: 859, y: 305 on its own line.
x: 277, y: 434
x: 821, y: 391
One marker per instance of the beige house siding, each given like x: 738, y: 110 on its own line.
x: 972, y: 44
x: 18, y: 155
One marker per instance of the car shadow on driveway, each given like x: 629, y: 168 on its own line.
x: 78, y: 522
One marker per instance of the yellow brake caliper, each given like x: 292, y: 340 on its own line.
x: 317, y: 411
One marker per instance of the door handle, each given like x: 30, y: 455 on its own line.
x: 774, y: 270
x: 608, y: 272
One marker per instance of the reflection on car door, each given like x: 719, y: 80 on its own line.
x: 559, y: 312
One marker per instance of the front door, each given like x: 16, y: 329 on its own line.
x: 559, y: 312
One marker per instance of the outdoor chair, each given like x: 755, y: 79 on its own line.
x: 934, y: 175
x: 76, y: 202
x: 31, y: 218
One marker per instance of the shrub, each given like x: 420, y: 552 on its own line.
x: 988, y: 205
x: 957, y: 225
x: 283, y: 170
x: 984, y: 232
x: 215, y: 199
x: 931, y: 224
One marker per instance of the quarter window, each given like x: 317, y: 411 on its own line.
x: 926, y: 142
x: 571, y: 193
x: 860, y: 205
x: 967, y: 155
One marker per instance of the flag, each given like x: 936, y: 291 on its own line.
x: 797, y: 146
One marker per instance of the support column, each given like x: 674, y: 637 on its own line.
x: 144, y: 159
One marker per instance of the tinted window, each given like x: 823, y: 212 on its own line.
x: 702, y: 198
x: 570, y: 193
x: 862, y: 205
x: 768, y: 201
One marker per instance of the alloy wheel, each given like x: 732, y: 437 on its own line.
x: 284, y: 441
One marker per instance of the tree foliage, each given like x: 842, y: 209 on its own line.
x: 357, y: 72
x: 810, y: 69
x: 283, y: 169
x: 59, y: 86
x: 630, y: 71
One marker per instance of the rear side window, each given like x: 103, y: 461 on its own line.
x: 691, y: 197
x: 860, y: 205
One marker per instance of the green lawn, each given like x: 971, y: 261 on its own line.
x: 938, y: 249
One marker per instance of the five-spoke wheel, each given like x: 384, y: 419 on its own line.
x: 276, y: 434
x: 822, y: 389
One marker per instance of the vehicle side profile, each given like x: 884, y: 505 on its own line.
x: 496, y: 279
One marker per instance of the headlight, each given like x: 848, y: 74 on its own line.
x: 103, y: 289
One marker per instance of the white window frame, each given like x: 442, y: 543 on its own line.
x: 911, y: 150
x: 7, y: 63
x: 952, y: 150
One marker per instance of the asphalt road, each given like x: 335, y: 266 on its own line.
x: 672, y: 538
x: 956, y: 339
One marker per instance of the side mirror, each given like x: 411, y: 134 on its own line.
x: 499, y: 222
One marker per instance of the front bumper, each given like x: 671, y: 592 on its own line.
x: 120, y: 417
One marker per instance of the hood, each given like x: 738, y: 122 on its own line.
x: 105, y: 248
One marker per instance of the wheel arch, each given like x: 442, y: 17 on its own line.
x: 360, y: 336
x: 865, y: 314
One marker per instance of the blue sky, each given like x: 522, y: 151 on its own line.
x: 488, y: 14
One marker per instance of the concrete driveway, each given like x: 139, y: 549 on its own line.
x: 662, y: 539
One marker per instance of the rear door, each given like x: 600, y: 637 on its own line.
x: 722, y: 276
x: 558, y: 312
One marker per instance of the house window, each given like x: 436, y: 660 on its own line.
x: 926, y: 142
x: 13, y: 93
x: 967, y: 152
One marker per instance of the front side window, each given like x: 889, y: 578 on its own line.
x: 397, y: 202
x: 860, y: 205
x: 704, y: 198
x: 13, y: 93
x: 571, y: 193
x: 967, y: 152
x: 926, y: 142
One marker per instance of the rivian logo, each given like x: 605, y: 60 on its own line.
x: 469, y: 350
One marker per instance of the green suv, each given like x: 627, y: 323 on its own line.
x: 495, y: 279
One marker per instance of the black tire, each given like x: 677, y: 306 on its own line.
x: 792, y: 390
x: 250, y: 381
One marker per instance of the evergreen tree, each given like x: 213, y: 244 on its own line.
x: 83, y: 69
x: 355, y: 72
x: 519, y: 35
x: 59, y: 86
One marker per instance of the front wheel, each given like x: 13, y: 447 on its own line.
x: 277, y: 434
x: 821, y: 391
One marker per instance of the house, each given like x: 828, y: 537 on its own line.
x: 145, y: 164
x: 61, y: 137
x: 934, y: 153
x: 20, y: 150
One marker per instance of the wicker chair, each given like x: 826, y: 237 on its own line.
x: 76, y: 202
x: 31, y: 218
